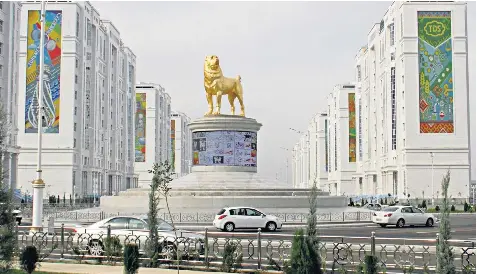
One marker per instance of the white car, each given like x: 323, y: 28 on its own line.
x: 134, y: 229
x: 231, y: 218
x: 403, y: 215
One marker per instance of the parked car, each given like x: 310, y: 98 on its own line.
x: 135, y: 229
x: 231, y: 218
x: 402, y: 216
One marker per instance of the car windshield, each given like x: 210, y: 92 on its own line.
x: 221, y: 211
x: 390, y: 209
x: 162, y: 225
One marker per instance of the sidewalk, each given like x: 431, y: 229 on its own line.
x: 105, y: 269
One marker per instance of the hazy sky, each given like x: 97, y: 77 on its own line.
x: 289, y: 54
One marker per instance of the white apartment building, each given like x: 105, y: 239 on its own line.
x: 9, y: 48
x: 152, y: 132
x: 342, y: 140
x: 88, y: 99
x: 413, y: 102
x: 309, y: 155
x: 181, y: 144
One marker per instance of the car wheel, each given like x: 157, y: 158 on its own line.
x: 430, y: 222
x: 95, y: 248
x: 400, y: 223
x: 271, y: 226
x: 382, y: 225
x: 169, y: 251
x: 229, y: 227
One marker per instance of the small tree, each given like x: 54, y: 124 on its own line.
x: 153, y: 248
x: 312, y: 222
x: 303, y: 257
x: 7, y: 222
x: 131, y: 258
x: 164, y: 174
x: 232, y: 258
x: 371, y: 263
x: 445, y: 258
x: 29, y: 258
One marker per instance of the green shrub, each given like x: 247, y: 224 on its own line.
x: 29, y: 259
x: 304, y: 258
x: 232, y: 258
x: 371, y: 264
x: 466, y: 206
x: 113, y: 247
x: 437, y: 208
x: 131, y: 258
x: 452, y: 208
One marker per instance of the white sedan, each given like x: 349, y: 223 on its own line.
x: 403, y: 215
x: 134, y: 229
x: 231, y: 218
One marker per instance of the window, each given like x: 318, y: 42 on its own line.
x: 393, y: 109
x: 74, y: 126
x: 358, y: 72
x: 118, y: 223
x: 136, y: 224
x: 1, y: 48
x: 76, y: 94
x: 1, y: 5
x: 76, y: 63
x: 77, y: 24
x: 1, y: 70
x: 76, y: 79
x: 336, y: 150
x: 74, y: 142
x: 1, y: 25
x: 391, y: 34
x: 76, y: 109
x: 252, y: 212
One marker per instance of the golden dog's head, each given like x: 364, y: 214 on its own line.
x: 212, y: 62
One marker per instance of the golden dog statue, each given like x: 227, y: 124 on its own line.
x: 216, y: 84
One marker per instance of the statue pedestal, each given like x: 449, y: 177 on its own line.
x: 215, y: 183
x: 218, y: 135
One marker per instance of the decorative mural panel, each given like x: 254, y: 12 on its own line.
x: 352, y: 127
x: 436, y: 93
x: 51, y: 75
x: 140, y: 142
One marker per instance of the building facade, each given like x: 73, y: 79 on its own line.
x: 309, y: 155
x: 152, y: 128
x: 181, y: 144
x: 342, y: 140
x: 412, y: 102
x: 10, y: 15
x: 87, y: 96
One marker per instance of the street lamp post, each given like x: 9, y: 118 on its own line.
x: 38, y: 184
x: 286, y: 163
x: 432, y: 176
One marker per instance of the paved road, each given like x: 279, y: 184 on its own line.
x: 463, y: 228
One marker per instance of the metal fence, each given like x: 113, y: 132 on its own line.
x: 258, y: 250
x: 207, y: 217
